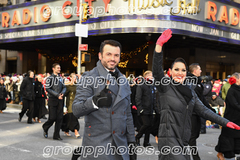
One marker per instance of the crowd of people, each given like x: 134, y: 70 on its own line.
x: 145, y: 104
x: 30, y: 91
x: 174, y: 113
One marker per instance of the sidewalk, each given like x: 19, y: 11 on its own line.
x: 10, y: 127
x: 17, y: 106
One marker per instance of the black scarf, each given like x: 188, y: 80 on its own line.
x: 114, y: 74
x: 184, y: 91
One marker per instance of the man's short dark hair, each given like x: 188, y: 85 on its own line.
x: 180, y: 60
x: 111, y: 43
x: 29, y: 72
x: 193, y: 67
x: 55, y: 64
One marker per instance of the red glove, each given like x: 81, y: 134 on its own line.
x: 233, y: 126
x: 165, y: 36
x: 134, y: 107
x: 6, y: 99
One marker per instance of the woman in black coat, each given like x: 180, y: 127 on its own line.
x: 136, y: 121
x: 39, y: 104
x: 229, y: 140
x: 3, y: 96
x: 177, y: 102
x: 28, y: 95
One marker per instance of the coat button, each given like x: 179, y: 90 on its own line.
x: 124, y: 113
x: 122, y: 132
x: 113, y: 132
x: 89, y: 134
x: 112, y: 112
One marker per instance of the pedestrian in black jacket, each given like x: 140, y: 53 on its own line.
x: 156, y: 116
x: 39, y: 104
x: 195, y: 73
x: 136, y: 121
x: 56, y: 90
x: 178, y: 101
x: 28, y: 95
x: 3, y: 96
x: 229, y: 140
x: 145, y: 105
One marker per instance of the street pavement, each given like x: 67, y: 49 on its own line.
x: 22, y: 141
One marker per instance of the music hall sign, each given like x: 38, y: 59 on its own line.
x: 48, y: 19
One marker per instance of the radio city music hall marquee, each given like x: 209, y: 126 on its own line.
x: 43, y: 14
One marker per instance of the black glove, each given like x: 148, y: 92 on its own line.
x: 132, y: 154
x: 77, y: 153
x: 103, y: 99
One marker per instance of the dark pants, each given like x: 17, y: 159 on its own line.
x: 203, y: 125
x: 196, y: 126
x: 55, y: 115
x: 145, y: 128
x: 39, y: 108
x: 156, y: 123
x: 27, y: 105
x: 136, y: 121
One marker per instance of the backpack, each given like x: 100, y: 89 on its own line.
x: 207, y: 88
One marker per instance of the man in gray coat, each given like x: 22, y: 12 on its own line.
x: 103, y: 97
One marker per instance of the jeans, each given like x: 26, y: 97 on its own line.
x: 12, y: 96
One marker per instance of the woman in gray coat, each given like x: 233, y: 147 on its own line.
x: 177, y: 102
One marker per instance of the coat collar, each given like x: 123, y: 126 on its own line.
x: 55, y: 75
x: 122, y: 90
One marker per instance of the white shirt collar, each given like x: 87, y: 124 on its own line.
x: 109, y: 70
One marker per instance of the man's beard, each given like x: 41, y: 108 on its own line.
x: 106, y: 65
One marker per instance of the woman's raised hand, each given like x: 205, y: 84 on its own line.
x: 165, y: 36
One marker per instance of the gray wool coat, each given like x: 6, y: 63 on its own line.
x: 104, y: 127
